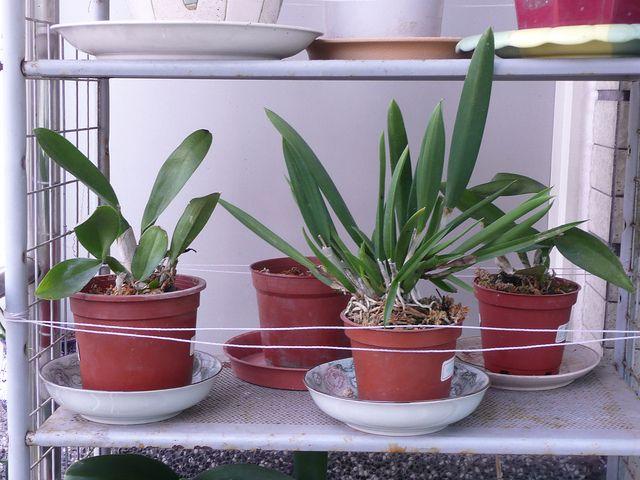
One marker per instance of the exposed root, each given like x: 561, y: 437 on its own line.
x: 547, y: 284
x: 428, y: 311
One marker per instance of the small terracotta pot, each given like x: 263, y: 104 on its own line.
x: 297, y: 301
x: 510, y: 310
x: 120, y: 363
x: 403, y: 377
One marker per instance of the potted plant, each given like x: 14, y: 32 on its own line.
x: 306, y: 466
x: 421, y: 233
x: 533, y: 297
x: 144, y: 290
x: 556, y: 13
x: 290, y: 296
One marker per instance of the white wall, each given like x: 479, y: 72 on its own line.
x: 342, y: 122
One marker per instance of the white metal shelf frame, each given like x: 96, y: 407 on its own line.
x: 59, y: 430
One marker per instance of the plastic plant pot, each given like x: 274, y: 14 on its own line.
x: 513, y: 311
x: 289, y: 300
x: 557, y: 13
x: 403, y: 377
x: 122, y: 363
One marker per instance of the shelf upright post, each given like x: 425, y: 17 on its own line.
x: 13, y: 163
x: 627, y: 309
x: 100, y: 11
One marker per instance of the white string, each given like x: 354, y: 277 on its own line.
x: 322, y: 347
x: 18, y: 318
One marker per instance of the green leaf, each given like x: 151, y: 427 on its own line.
x: 272, y: 239
x: 310, y: 465
x: 329, y: 266
x: 67, y: 278
x: 406, y: 234
x: 443, y: 285
x: 193, y: 219
x: 460, y: 283
x: 430, y: 163
x: 240, y: 472
x: 591, y: 254
x: 115, y: 265
x: 175, y: 172
x: 398, y: 143
x: 470, y: 120
x: 99, y: 231
x: 378, y: 237
x: 119, y: 467
x: 308, y: 197
x: 391, y: 299
x: 519, y: 185
x: 303, y: 153
x: 149, y: 253
x: 65, y: 154
x: 389, y: 225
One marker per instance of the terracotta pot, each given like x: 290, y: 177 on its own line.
x: 403, y: 377
x: 556, y: 13
x: 119, y: 363
x: 510, y: 310
x: 297, y: 301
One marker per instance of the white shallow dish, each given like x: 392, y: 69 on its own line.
x: 334, y: 390
x: 574, y: 41
x: 62, y: 379
x: 180, y: 40
x: 577, y: 361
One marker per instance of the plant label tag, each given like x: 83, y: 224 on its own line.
x: 192, y: 345
x: 561, y: 336
x: 447, y: 369
x: 479, y: 319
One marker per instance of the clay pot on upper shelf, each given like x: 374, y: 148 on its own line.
x: 256, y: 11
x: 557, y: 13
x: 402, y: 377
x: 520, y: 311
x: 124, y: 363
x: 288, y: 296
x: 383, y: 18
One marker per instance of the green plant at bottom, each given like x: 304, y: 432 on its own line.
x: 307, y: 466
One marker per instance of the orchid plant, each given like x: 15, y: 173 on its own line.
x: 429, y: 225
x: 144, y: 266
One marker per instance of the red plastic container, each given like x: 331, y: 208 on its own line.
x: 509, y: 310
x: 403, y: 377
x: 297, y: 301
x: 120, y: 363
x: 556, y: 13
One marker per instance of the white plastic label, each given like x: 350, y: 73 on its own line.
x: 479, y: 319
x: 192, y: 346
x: 561, y: 336
x: 447, y: 369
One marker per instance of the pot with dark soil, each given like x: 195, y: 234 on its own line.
x: 290, y: 296
x: 524, y: 302
x: 111, y: 312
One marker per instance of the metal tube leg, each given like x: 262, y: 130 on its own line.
x: 12, y: 158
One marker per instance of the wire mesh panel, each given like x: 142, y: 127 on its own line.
x: 56, y: 203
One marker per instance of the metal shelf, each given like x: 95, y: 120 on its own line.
x: 597, y: 415
x: 516, y: 69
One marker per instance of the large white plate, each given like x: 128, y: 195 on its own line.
x: 333, y: 388
x: 187, y: 40
x: 577, y: 361
x: 62, y: 379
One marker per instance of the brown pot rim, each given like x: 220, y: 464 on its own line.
x: 199, y: 285
x: 525, y: 295
x: 256, y: 270
x: 384, y: 330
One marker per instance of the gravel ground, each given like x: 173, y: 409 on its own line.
x: 387, y: 466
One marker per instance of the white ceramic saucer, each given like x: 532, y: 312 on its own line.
x: 578, y: 360
x: 178, y: 40
x: 620, y: 40
x: 62, y: 379
x: 333, y: 388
